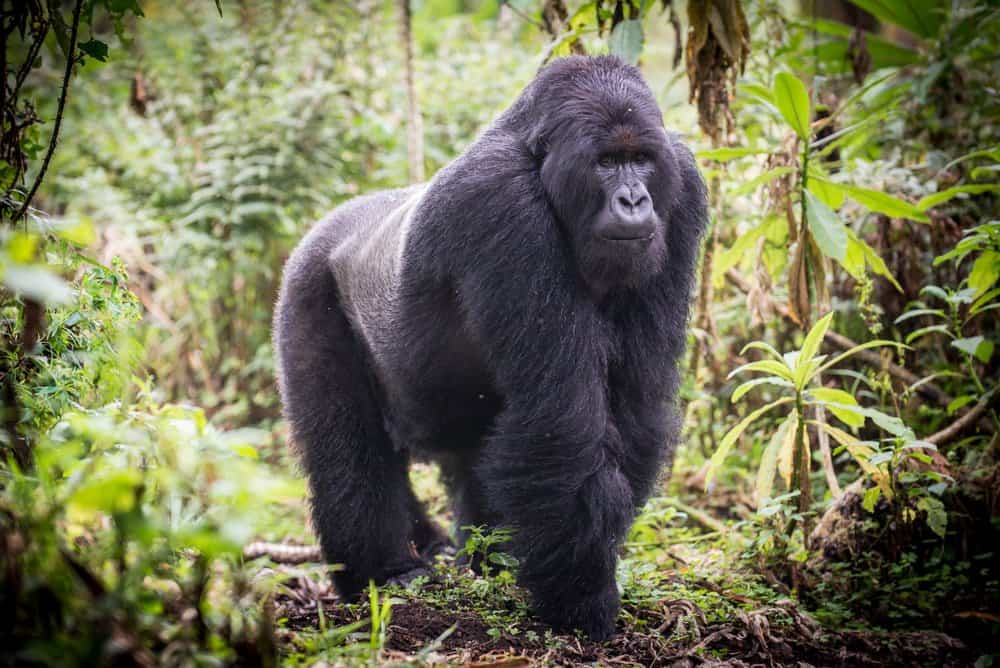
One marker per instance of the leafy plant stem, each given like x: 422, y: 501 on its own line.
x: 803, y: 467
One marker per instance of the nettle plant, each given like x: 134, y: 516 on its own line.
x: 789, y: 453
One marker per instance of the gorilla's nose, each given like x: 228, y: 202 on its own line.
x: 633, y: 214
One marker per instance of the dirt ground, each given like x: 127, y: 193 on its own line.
x: 676, y: 635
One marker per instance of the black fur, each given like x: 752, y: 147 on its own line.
x: 486, y: 324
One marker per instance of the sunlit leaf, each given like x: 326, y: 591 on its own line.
x: 931, y: 201
x: 832, y: 197
x: 812, y: 341
x: 773, y: 367
x: 840, y: 403
x: 792, y: 100
x: 862, y: 454
x: 786, y: 453
x: 863, y: 346
x: 827, y: 228
x: 880, y: 202
x: 870, y: 498
x: 729, y: 439
x: 769, y: 460
x: 762, y: 345
x: 977, y: 346
x: 985, y: 272
x: 750, y: 384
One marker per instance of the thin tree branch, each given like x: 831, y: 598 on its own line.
x: 962, y: 423
x: 414, y: 121
x: 70, y: 61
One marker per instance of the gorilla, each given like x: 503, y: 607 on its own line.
x: 519, y: 320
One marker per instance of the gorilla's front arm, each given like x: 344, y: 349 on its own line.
x: 575, y: 447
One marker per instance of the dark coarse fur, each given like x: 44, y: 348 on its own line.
x: 480, y: 321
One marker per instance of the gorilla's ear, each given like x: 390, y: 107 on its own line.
x: 538, y: 144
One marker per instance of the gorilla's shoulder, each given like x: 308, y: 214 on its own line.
x: 341, y: 224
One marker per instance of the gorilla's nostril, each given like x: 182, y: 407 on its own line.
x: 625, y: 202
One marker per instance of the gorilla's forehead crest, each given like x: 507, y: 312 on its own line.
x: 597, y: 96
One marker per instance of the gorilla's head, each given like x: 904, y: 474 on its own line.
x: 606, y: 165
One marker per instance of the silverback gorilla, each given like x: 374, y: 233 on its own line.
x: 519, y: 320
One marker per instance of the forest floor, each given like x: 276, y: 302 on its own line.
x: 422, y: 632
x: 689, y: 599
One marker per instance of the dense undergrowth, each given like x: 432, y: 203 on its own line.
x: 826, y: 508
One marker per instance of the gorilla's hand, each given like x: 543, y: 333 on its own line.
x: 593, y: 613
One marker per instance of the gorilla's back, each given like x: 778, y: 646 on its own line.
x: 366, y: 260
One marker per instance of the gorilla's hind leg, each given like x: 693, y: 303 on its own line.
x: 362, y: 504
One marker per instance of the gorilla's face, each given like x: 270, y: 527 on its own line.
x: 610, y: 176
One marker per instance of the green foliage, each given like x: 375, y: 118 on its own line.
x: 131, y: 514
x: 197, y: 151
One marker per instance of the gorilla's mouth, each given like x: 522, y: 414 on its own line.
x: 640, y: 239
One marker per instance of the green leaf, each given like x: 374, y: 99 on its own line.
x: 854, y: 259
x: 762, y: 93
x: 761, y: 345
x: 827, y: 394
x: 863, y: 346
x: 826, y: 228
x: 832, y: 197
x: 985, y: 272
x: 880, y: 202
x: 862, y: 454
x: 773, y: 367
x: 934, y: 200
x: 792, y: 100
x: 977, y: 346
x: 937, y: 516
x: 883, y: 52
x: 811, y: 344
x: 503, y: 559
x: 924, y: 331
x: 841, y: 404
x: 626, y: 41
x: 923, y: 18
x: 873, y: 259
x: 958, y: 402
x: 870, y: 498
x: 750, y: 384
x: 937, y: 313
x: 96, y: 49
x: 891, y: 424
x: 769, y: 460
x: 730, y: 438
x: 724, y: 154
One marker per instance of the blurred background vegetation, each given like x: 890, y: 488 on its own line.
x: 159, y: 161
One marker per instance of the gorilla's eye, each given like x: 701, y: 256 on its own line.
x: 640, y: 159
x: 607, y: 161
